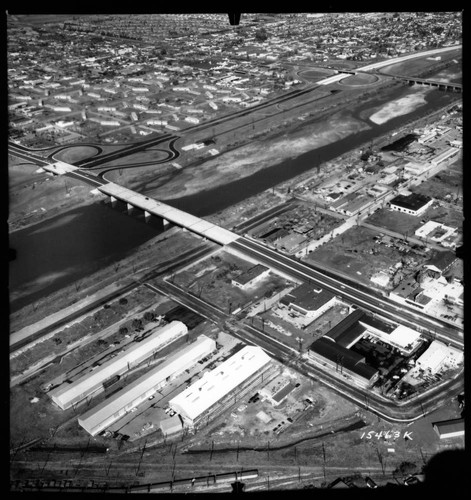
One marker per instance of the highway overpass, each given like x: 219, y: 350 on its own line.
x: 388, y: 62
x: 168, y: 214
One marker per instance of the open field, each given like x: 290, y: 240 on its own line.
x: 76, y: 153
x: 211, y: 278
x: 408, y: 224
x: 446, y: 185
x: 416, y: 67
x: 34, y: 197
x: 256, y: 156
x: 359, y: 80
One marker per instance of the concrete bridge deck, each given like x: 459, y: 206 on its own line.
x: 171, y: 214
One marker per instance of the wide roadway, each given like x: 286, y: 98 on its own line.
x: 352, y: 292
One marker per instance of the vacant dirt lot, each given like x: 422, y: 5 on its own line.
x: 211, y: 279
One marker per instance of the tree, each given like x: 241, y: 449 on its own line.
x: 136, y: 323
x: 123, y: 330
x: 261, y: 34
x: 149, y: 316
x: 123, y: 301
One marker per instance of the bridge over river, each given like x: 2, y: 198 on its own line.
x: 168, y: 214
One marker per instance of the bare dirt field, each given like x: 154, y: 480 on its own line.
x: 211, y: 278
x: 256, y: 156
x: 416, y: 67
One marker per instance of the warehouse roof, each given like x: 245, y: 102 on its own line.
x: 130, y: 393
x: 68, y: 394
x: 403, y: 336
x: 347, y: 358
x: 377, y: 324
x: 413, y: 201
x: 214, y: 385
x: 445, y: 427
x: 307, y: 297
x: 442, y: 260
x: 346, y: 324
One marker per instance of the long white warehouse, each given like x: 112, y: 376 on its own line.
x: 112, y: 409
x: 69, y: 394
x: 201, y: 396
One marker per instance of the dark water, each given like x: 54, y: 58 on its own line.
x: 401, y: 143
x: 66, y: 248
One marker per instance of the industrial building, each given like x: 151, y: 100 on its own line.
x: 251, y: 276
x: 449, y: 428
x: 113, y: 408
x: 69, y: 394
x: 348, y: 331
x: 171, y: 425
x: 402, y: 337
x: 277, y: 390
x: 309, y: 301
x: 438, y: 356
x: 413, y: 204
x: 348, y: 363
x: 221, y: 387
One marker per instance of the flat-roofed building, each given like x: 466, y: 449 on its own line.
x: 438, y: 356
x: 413, y: 204
x: 346, y: 362
x: 309, y: 301
x: 92, y: 382
x: 113, y: 408
x: 402, y: 337
x: 277, y: 390
x: 171, y: 425
x: 215, y: 390
x: 251, y: 276
x: 449, y: 428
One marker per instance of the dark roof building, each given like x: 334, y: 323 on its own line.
x: 344, y: 332
x: 306, y: 298
x: 344, y: 360
x: 414, y: 203
x: 442, y: 260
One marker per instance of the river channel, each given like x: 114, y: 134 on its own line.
x: 71, y: 246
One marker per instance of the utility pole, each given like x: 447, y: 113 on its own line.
x: 323, y: 455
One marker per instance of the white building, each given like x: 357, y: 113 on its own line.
x: 69, y: 394
x: 403, y: 338
x: 439, y: 356
x: 113, y: 408
x: 435, y: 231
x: 202, y: 397
x: 192, y: 119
